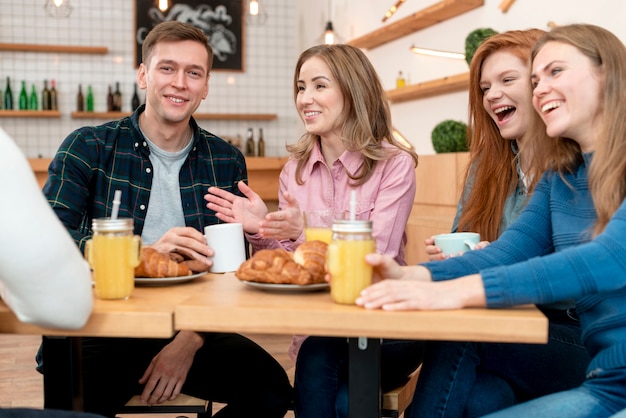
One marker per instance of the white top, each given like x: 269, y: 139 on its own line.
x: 44, y: 278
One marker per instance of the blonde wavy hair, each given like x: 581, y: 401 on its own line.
x: 607, y: 172
x: 365, y: 121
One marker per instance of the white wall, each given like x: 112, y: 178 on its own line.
x: 416, y: 119
x: 265, y: 85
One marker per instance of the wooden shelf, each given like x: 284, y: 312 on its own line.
x: 204, y: 116
x: 431, y: 88
x: 30, y: 114
x: 73, y: 49
x: 438, y: 12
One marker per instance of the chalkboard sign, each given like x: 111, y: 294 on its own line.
x: 220, y: 20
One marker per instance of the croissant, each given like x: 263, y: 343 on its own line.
x: 304, y: 266
x: 155, y: 264
x: 312, y: 256
x: 184, y: 257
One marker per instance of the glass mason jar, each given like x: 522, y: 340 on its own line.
x: 351, y: 241
x: 113, y: 253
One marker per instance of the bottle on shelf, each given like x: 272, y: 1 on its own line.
x: 261, y: 144
x: 33, y: 101
x: 249, y: 143
x: 110, y: 100
x: 89, y: 99
x: 45, y: 96
x: 23, y: 104
x: 1, y: 101
x: 117, y: 98
x: 135, y: 103
x: 80, y: 100
x: 8, y: 96
x: 54, y: 105
x: 400, y: 81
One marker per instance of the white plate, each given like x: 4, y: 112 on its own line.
x: 163, y: 281
x: 280, y: 287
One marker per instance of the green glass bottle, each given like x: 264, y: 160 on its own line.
x: 89, y: 99
x: 33, y: 102
x: 117, y: 98
x: 8, y: 96
x: 80, y: 101
x: 54, y: 105
x: 135, y: 103
x: 23, y: 105
x: 45, y: 96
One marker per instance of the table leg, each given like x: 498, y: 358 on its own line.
x: 364, y: 396
x: 62, y: 384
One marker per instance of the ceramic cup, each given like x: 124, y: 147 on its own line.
x: 457, y: 242
x: 228, y: 243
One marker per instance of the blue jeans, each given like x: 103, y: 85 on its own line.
x: 321, y: 380
x: 600, y: 396
x: 465, y: 379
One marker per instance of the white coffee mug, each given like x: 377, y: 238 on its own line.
x: 457, y: 242
x: 227, y: 242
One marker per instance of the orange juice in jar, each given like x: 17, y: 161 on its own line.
x: 113, y: 253
x: 318, y: 223
x: 350, y: 274
x: 318, y: 234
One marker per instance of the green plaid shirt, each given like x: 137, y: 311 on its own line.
x: 93, y: 162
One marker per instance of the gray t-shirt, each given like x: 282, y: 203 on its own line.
x: 165, y: 208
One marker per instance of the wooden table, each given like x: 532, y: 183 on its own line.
x: 220, y: 302
x: 228, y: 305
x: 149, y: 313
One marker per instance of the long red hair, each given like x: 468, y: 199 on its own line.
x: 493, y: 168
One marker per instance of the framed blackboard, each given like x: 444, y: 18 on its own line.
x: 220, y: 20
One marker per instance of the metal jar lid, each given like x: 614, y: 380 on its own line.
x: 112, y: 225
x: 346, y: 225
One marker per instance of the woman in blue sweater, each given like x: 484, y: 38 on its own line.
x: 471, y: 379
x: 568, y: 244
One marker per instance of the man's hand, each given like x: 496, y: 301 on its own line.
x: 187, y: 239
x: 166, y: 374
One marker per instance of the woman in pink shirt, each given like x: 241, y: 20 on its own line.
x: 348, y: 145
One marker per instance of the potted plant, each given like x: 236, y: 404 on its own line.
x: 474, y: 39
x: 450, y: 136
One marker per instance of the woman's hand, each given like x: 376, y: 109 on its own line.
x: 287, y: 223
x: 410, y: 287
x: 434, y: 252
x: 228, y: 207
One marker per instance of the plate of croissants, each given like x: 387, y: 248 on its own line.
x: 278, y: 270
x: 160, y: 269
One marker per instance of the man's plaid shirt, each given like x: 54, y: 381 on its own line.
x: 93, y: 162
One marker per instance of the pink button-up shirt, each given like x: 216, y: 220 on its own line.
x: 386, y: 199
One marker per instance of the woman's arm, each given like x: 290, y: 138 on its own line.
x: 43, y: 276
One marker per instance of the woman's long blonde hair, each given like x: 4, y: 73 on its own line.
x: 607, y: 172
x: 365, y: 120
x: 493, y: 168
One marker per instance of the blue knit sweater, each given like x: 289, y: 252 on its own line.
x: 547, y: 256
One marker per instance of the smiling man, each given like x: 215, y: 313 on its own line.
x: 163, y: 163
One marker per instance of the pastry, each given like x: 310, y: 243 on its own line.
x: 182, y: 256
x: 155, y: 264
x: 304, y: 266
